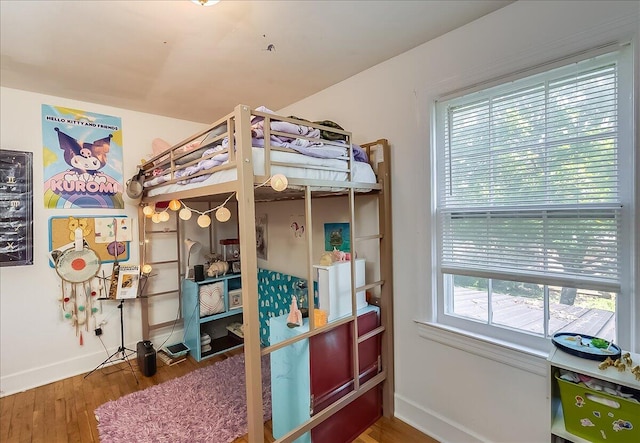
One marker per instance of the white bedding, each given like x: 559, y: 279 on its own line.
x: 362, y: 172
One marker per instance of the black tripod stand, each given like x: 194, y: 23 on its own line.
x: 123, y: 353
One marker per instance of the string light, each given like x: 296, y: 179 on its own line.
x: 149, y: 210
x: 278, y: 182
x: 174, y: 205
x: 204, y: 220
x: 223, y: 214
x: 164, y: 216
x: 185, y: 213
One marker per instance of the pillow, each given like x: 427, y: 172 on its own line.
x: 211, y: 299
x: 193, y: 155
x: 160, y: 146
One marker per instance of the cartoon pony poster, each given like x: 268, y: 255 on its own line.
x: 82, y: 159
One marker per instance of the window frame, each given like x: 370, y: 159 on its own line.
x: 628, y: 175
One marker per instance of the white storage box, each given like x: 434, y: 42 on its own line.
x: 334, y: 288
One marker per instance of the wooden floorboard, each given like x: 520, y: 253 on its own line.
x: 63, y: 411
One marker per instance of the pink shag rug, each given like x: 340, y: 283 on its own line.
x: 206, y: 405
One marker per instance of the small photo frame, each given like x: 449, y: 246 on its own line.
x: 235, y: 299
x: 337, y: 236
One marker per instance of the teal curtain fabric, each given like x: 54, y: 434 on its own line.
x: 275, y: 290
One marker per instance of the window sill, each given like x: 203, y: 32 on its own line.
x: 526, y: 359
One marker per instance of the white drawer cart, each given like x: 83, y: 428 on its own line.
x: 334, y: 288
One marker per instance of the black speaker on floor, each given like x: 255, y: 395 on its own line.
x: 146, y: 358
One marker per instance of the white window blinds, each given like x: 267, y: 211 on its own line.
x: 528, y: 179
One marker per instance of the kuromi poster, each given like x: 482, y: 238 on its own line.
x: 82, y: 159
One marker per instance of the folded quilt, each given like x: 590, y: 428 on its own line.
x: 303, y: 146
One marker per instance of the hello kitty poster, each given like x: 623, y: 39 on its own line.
x: 82, y: 157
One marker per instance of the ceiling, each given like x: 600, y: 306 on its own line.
x: 182, y: 60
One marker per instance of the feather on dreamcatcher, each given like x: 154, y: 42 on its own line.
x: 78, y: 267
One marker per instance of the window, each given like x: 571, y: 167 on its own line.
x: 534, y: 205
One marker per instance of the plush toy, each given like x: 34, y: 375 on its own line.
x: 326, y: 259
x: 158, y: 146
x: 338, y: 255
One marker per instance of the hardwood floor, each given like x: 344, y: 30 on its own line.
x: 63, y: 411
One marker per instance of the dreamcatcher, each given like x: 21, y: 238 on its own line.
x: 78, y: 268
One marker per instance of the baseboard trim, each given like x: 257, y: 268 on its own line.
x: 43, y: 375
x: 433, y: 424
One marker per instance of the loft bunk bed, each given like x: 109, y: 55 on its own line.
x: 241, y: 154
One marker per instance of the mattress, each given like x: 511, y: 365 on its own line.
x: 298, y: 168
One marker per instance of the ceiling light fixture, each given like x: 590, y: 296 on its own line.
x: 205, y: 2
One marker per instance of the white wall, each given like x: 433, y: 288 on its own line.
x: 457, y: 389
x: 37, y: 345
x: 288, y: 253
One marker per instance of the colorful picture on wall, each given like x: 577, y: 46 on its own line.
x: 16, y: 208
x: 337, y: 236
x: 82, y: 159
x: 97, y: 233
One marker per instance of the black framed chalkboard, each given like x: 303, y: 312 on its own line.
x: 16, y: 208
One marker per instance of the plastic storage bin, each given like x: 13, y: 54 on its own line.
x: 597, y: 416
x: 230, y: 249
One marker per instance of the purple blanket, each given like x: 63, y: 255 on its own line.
x: 318, y: 150
x: 303, y: 146
x: 311, y: 148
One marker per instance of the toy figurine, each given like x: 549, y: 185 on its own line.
x: 218, y: 268
x: 636, y: 371
x: 606, y: 363
x: 295, y: 315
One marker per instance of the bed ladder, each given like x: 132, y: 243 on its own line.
x: 385, y: 300
x: 149, y: 291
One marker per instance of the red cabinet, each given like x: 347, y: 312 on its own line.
x: 311, y: 374
x: 331, y: 372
